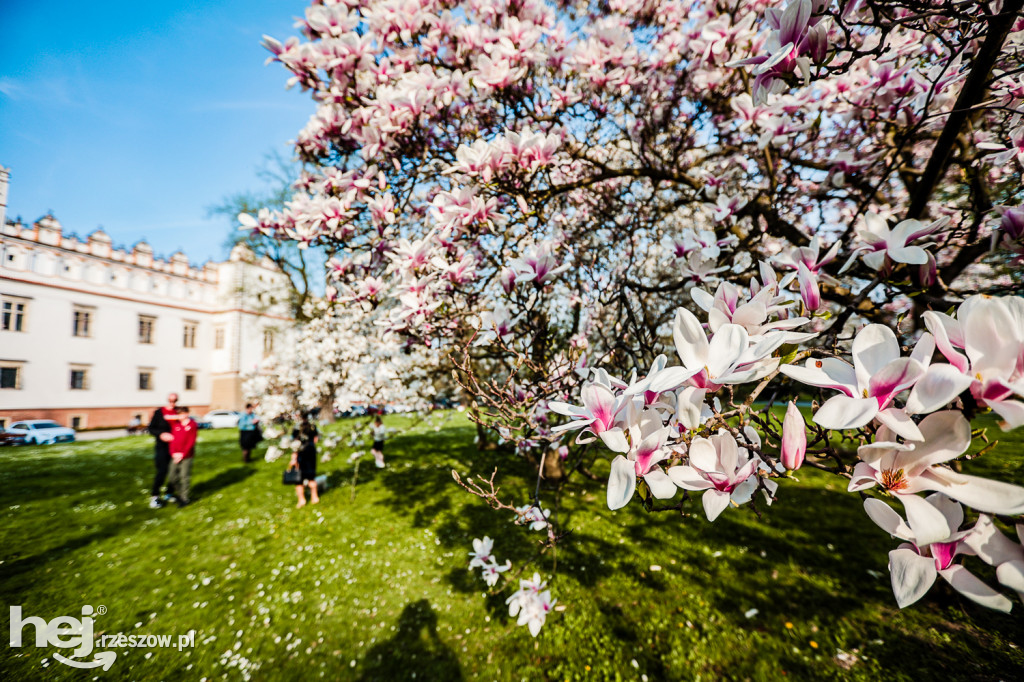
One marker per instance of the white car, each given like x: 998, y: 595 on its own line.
x: 222, y: 419
x: 40, y: 431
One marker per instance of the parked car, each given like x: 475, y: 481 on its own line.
x: 222, y: 419
x: 8, y: 438
x: 40, y: 431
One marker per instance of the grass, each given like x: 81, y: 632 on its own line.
x: 376, y: 588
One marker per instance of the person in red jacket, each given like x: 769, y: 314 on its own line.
x: 182, y: 448
x: 161, y: 427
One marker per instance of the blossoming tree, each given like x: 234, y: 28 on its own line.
x: 645, y: 221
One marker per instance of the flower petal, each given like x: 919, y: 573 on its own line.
x: 874, y: 347
x: 727, y: 345
x: 900, y: 423
x: 982, y: 494
x: 688, y: 478
x: 841, y: 412
x: 1011, y: 574
x: 945, y: 434
x: 991, y: 545
x: 615, y: 440
x: 703, y: 455
x: 967, y: 584
x: 888, y: 519
x: 937, y: 388
x: 947, y: 333
x: 912, y: 575
x: 825, y: 373
x: 621, y: 482
x: 893, y: 378
x: 715, y: 502
x: 691, y: 341
x: 985, y: 338
x: 928, y: 522
x: 660, y: 484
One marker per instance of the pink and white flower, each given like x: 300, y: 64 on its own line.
x: 933, y: 542
x: 905, y: 469
x: 648, y: 437
x: 984, y: 346
x: 722, y: 469
x: 868, y: 387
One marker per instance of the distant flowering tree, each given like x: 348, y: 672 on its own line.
x: 801, y: 197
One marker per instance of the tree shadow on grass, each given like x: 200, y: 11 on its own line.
x: 221, y: 480
x: 416, y: 649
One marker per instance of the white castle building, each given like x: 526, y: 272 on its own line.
x: 91, y: 335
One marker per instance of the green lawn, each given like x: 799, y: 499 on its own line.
x: 377, y: 587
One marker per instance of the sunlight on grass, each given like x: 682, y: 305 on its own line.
x: 377, y: 587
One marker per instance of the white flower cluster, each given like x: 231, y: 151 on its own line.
x: 532, y: 603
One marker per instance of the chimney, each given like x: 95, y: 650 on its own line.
x: 5, y: 179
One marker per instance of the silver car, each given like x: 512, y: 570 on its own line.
x: 222, y: 419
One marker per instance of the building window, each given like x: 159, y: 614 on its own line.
x: 79, y: 378
x: 189, y: 340
x: 13, y: 314
x: 190, y: 381
x: 82, y: 322
x: 145, y: 380
x: 10, y: 376
x: 146, y: 329
x: 268, y: 342
x: 78, y: 421
x: 218, y: 338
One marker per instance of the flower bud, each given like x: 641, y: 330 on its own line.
x: 809, y: 291
x: 927, y: 273
x: 794, y: 438
x: 507, y: 277
x: 1013, y: 222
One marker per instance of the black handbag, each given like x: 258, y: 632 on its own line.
x: 292, y: 476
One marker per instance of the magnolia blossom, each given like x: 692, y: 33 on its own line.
x: 598, y: 415
x: 491, y: 572
x: 648, y: 437
x: 532, y: 603
x: 533, y: 516
x: 799, y: 36
x: 728, y: 358
x: 868, y: 387
x: 905, y: 469
x: 482, y: 553
x: 933, y: 542
x: 893, y: 245
x: 984, y: 346
x: 753, y: 313
x: 722, y: 469
x: 538, y: 265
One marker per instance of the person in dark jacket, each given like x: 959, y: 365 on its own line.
x: 306, y: 436
x: 161, y: 426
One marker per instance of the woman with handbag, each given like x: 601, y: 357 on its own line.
x: 305, y: 437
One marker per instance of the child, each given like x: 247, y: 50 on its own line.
x: 304, y: 457
x: 182, y: 447
x: 379, y: 433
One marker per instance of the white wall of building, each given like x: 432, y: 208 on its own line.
x: 53, y: 274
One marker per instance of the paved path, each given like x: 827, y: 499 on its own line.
x: 101, y: 435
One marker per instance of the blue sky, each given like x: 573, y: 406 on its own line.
x: 138, y: 116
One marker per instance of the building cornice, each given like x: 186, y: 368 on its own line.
x: 86, y: 255
x: 117, y: 297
